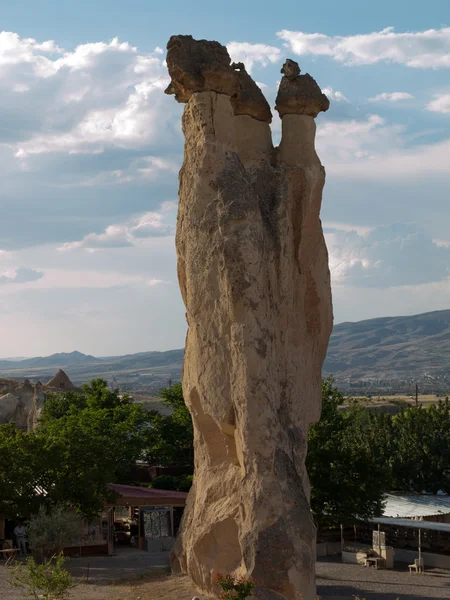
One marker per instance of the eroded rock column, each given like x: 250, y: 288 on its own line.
x: 253, y: 272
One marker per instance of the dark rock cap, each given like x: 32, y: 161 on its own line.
x: 197, y: 66
x: 249, y: 99
x: 201, y: 65
x: 299, y: 94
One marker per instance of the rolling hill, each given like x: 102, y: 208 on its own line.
x: 391, y: 347
x: 146, y: 371
x: 383, y: 348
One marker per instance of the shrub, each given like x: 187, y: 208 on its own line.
x: 185, y: 483
x: 48, y: 580
x: 181, y: 483
x: 49, y: 531
x: 164, y: 482
x: 234, y: 588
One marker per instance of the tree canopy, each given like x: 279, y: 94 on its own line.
x: 87, y: 440
x: 346, y: 461
x: 421, y: 461
x: 84, y: 441
x: 172, y: 441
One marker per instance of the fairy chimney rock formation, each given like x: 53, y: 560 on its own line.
x: 60, y: 381
x: 253, y: 273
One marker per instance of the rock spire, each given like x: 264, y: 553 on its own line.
x: 253, y: 273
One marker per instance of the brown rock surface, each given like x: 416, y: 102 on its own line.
x: 299, y: 94
x: 17, y: 403
x: 253, y: 272
x: 198, y: 65
x: 60, y: 381
x: 249, y: 99
x: 21, y: 403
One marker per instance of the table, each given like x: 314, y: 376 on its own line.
x: 375, y: 561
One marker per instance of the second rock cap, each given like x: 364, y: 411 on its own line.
x: 299, y: 94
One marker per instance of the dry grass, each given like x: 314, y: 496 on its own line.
x: 424, y: 399
x: 168, y: 588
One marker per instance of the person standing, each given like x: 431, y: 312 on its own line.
x: 21, y: 537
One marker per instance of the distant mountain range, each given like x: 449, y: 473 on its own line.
x: 64, y: 359
x: 391, y: 347
x: 144, y: 372
x: 388, y: 347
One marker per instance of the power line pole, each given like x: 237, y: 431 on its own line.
x: 417, y: 394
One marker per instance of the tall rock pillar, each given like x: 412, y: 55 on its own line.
x: 253, y: 272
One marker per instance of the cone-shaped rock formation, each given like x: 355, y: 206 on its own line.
x: 253, y: 272
x: 60, y: 382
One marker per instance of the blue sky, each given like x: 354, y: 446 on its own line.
x: 90, y: 148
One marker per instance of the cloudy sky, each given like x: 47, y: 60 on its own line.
x: 90, y: 148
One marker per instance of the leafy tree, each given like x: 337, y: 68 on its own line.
x: 422, y: 448
x: 51, y: 530
x: 89, y: 440
x: 347, y: 461
x: 172, y: 440
x: 21, y: 471
x: 182, y: 483
x: 84, y: 442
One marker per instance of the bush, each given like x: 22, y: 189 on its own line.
x: 185, y: 483
x: 164, y: 482
x: 182, y: 483
x: 50, y: 531
x: 234, y: 588
x: 49, y: 580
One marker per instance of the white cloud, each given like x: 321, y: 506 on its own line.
x: 153, y: 165
x: 15, y: 50
x: 143, y: 168
x: 150, y: 224
x: 99, y: 95
x: 250, y: 54
x: 20, y: 275
x: 386, y: 256
x: 352, y: 141
x: 440, y: 104
x: 77, y: 279
x: 372, y: 148
x: 391, y: 97
x: 420, y: 49
x: 334, y: 95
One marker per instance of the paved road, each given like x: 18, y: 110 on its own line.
x: 337, y: 581
x: 125, y: 564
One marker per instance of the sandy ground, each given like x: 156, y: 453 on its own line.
x: 138, y: 575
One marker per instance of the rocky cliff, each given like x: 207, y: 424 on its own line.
x: 21, y: 403
x: 253, y: 272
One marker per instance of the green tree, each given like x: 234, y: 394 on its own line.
x: 84, y: 441
x: 346, y: 461
x: 21, y: 471
x: 89, y: 440
x: 51, y: 530
x: 172, y: 439
x: 182, y: 483
x: 422, y: 448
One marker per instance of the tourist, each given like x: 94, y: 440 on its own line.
x: 21, y: 537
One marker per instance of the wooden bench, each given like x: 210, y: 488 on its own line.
x: 9, y: 554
